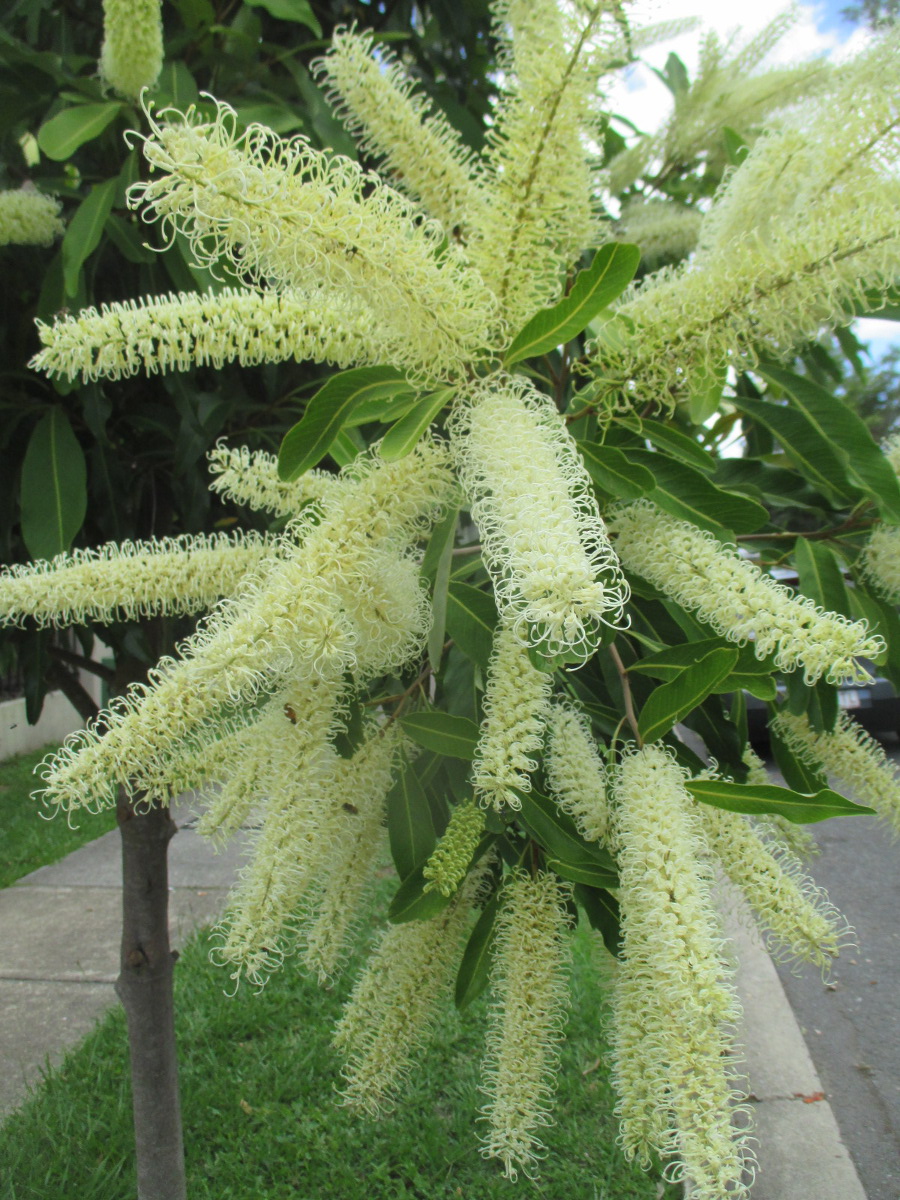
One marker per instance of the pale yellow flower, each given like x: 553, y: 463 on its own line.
x: 29, y: 218
x: 131, y: 57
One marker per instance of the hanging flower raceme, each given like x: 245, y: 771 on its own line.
x: 529, y: 985
x: 391, y: 1009
x: 421, y: 151
x: 175, y: 333
x: 737, y: 599
x: 880, y: 561
x: 131, y: 57
x: 850, y: 754
x: 449, y: 862
x: 126, y: 580
x: 516, y: 705
x: 29, y: 218
x: 795, y: 914
x: 556, y: 579
x: 575, y: 770
x: 673, y: 1002
x: 295, y: 618
x: 291, y: 215
x: 252, y: 479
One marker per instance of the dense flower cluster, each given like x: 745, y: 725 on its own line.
x: 131, y: 57
x: 737, y: 599
x: 28, y: 218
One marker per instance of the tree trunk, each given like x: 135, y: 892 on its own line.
x: 144, y: 987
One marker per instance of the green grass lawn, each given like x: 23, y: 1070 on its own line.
x: 261, y: 1122
x: 27, y: 838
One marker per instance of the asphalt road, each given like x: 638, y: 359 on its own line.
x: 851, y: 1021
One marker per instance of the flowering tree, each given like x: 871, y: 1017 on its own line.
x: 478, y: 640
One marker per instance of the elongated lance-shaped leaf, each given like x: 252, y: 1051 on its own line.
x: 688, y: 494
x: 402, y: 436
x: 669, y: 663
x: 606, y: 278
x: 847, y: 433
x: 602, y: 910
x: 820, y: 577
x: 614, y: 473
x: 329, y: 410
x: 475, y: 967
x: 439, y: 597
x: 471, y: 620
x: 61, y: 136
x: 672, y: 701
x: 558, y: 834
x: 456, y: 737
x: 671, y: 442
x: 53, y: 493
x: 85, y: 230
x: 410, y: 825
x: 757, y: 799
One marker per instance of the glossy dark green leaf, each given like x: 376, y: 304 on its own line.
x: 85, y: 229
x: 606, y: 278
x: 690, y: 496
x: 672, y: 701
x: 735, y: 146
x: 471, y: 620
x: 672, y: 443
x: 298, y: 11
x: 798, y: 775
x: 556, y: 832
x: 328, y: 411
x: 409, y: 823
x: 442, y: 533
x: 820, y: 576
x: 435, y: 644
x: 815, y: 456
x: 61, y: 136
x: 456, y: 737
x: 53, y: 489
x: 475, y: 967
x: 851, y: 438
x: 402, y: 437
x: 602, y: 911
x: 757, y: 799
x: 669, y: 663
x: 580, y: 870
x: 412, y: 902
x: 614, y: 473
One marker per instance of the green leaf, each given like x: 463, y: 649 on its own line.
x: 763, y: 687
x: 705, y: 393
x: 328, y: 410
x: 735, y: 146
x: 672, y: 701
x: 410, y: 826
x: 475, y: 966
x: 820, y: 576
x: 61, y: 136
x: 580, y: 870
x: 412, y: 902
x: 669, y: 663
x: 606, y: 278
x: 797, y: 774
x: 53, y: 490
x: 85, y: 230
x: 612, y: 471
x: 471, y: 620
x: 298, y: 11
x: 126, y: 239
x: 814, y: 456
x: 456, y: 737
x: 401, y: 437
x: 690, y: 496
x: 176, y: 86
x: 444, y: 531
x: 847, y: 433
x: 602, y: 910
x: 767, y: 798
x: 672, y: 443
x: 439, y: 602
x: 556, y: 832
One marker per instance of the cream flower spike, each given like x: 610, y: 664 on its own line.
x: 673, y: 1077
x: 288, y: 214
x: 516, y: 707
x: 556, y: 578
x: 662, y: 228
x: 175, y: 333
x: 29, y: 218
x: 575, y: 771
x: 541, y: 211
x: 530, y: 994
x: 853, y: 756
x: 737, y: 600
x: 251, y: 478
x: 421, y: 150
x: 293, y: 619
x: 795, y: 915
x: 387, y: 1020
x: 880, y: 561
x: 125, y: 580
x: 131, y: 56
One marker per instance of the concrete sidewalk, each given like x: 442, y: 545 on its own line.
x: 59, y: 960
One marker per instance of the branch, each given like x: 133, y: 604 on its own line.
x: 626, y: 692
x: 81, y: 663
x: 74, y: 692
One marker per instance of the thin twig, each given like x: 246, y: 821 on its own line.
x: 626, y: 692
